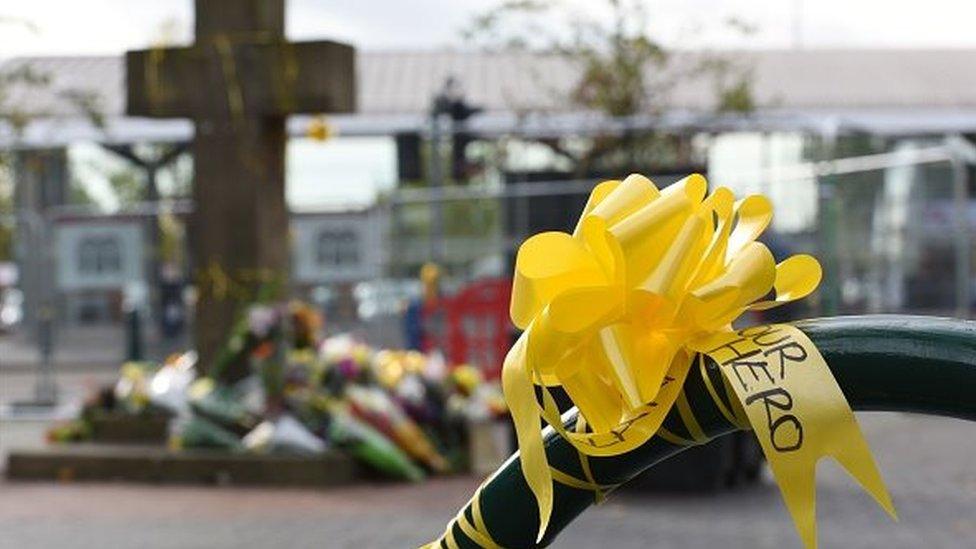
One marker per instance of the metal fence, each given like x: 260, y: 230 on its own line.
x: 893, y: 230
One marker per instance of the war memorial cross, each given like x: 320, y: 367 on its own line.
x: 238, y: 83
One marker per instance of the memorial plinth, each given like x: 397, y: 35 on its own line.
x: 155, y: 464
x: 119, y: 428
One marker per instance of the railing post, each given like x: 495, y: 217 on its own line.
x: 962, y: 241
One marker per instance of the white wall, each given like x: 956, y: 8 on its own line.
x: 69, y: 238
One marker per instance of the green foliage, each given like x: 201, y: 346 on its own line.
x: 6, y: 207
x: 89, y: 103
x: 6, y: 243
x: 623, y: 72
x: 17, y: 119
x: 614, y: 58
x: 613, y: 82
x: 736, y: 98
x: 488, y: 28
x: 78, y: 195
x: 27, y: 77
x: 6, y: 226
x: 126, y: 183
x: 22, y: 75
x: 172, y: 239
x: 128, y: 186
x: 178, y: 176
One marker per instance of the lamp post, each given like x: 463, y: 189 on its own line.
x: 449, y: 103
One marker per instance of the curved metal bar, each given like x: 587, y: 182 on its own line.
x: 883, y: 363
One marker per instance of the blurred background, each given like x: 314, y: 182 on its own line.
x: 474, y: 125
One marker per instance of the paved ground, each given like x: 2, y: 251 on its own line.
x: 73, y: 346
x: 95, y: 346
x: 73, y: 383
x: 928, y: 464
x: 92, y: 346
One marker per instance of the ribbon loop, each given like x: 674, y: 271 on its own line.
x: 615, y: 312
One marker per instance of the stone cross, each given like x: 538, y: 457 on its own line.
x: 238, y: 82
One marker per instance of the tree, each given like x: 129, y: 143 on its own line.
x: 6, y: 226
x: 128, y: 186
x: 20, y: 75
x: 16, y: 119
x: 79, y: 195
x: 623, y: 72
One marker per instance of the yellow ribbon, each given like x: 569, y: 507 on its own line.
x: 477, y: 531
x: 798, y: 412
x: 615, y: 312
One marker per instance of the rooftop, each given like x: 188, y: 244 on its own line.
x: 908, y: 91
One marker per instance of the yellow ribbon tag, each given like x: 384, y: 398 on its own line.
x: 613, y: 313
x: 798, y: 413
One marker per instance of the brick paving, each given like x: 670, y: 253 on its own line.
x: 96, y: 346
x: 928, y: 462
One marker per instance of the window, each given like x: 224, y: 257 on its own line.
x: 99, y: 255
x: 337, y: 248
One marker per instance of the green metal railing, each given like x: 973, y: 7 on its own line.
x: 882, y: 363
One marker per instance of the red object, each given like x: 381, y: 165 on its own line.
x: 478, y: 326
x: 471, y: 327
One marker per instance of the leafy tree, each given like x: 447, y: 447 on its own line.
x: 6, y: 226
x: 128, y: 186
x: 16, y: 119
x: 623, y: 72
x: 23, y: 75
x: 79, y: 195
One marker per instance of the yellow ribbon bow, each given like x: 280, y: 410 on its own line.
x: 615, y: 312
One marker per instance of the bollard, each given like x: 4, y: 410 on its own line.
x: 133, y: 303
x: 133, y: 336
x: 45, y: 388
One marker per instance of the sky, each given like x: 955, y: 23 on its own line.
x: 52, y: 27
